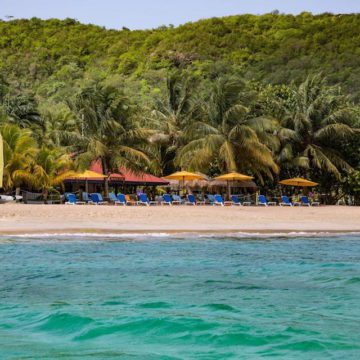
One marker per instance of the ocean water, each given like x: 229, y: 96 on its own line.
x: 173, y: 297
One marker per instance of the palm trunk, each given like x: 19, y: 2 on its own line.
x: 106, y: 187
x: 45, y: 195
x: 106, y: 180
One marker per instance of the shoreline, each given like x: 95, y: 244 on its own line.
x: 80, y: 232
x: 21, y: 219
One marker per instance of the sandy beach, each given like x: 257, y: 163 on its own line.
x: 22, y: 219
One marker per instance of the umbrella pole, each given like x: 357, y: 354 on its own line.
x: 228, y: 190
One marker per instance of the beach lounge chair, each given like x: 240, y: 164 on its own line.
x: 167, y: 200
x: 85, y: 197
x: 72, y: 200
x: 191, y: 200
x: 263, y: 201
x: 211, y: 199
x: 285, y: 201
x: 113, y: 198
x: 220, y: 201
x: 306, y: 202
x: 97, y: 199
x: 235, y: 200
x: 143, y: 200
x: 130, y: 200
x: 177, y: 199
x: 121, y: 200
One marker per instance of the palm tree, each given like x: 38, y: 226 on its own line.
x: 108, y: 131
x: 48, y: 169
x: 169, y: 119
x: 60, y: 129
x: 22, y: 110
x: 318, y: 119
x: 229, y: 135
x: 19, y: 149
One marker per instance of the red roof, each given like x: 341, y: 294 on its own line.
x: 129, y: 177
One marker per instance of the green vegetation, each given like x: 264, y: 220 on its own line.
x: 272, y: 96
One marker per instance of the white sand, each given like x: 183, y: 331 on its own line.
x: 20, y: 218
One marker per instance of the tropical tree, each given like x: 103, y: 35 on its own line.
x: 48, y: 169
x: 170, y: 116
x: 19, y: 150
x: 108, y: 130
x: 60, y: 129
x: 229, y: 135
x: 318, y: 120
x: 22, y: 110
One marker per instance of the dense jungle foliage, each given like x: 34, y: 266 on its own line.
x: 272, y: 96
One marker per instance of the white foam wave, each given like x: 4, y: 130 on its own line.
x: 168, y: 235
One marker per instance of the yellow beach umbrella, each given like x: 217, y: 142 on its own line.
x: 184, y: 176
x: 233, y: 176
x: 298, y: 182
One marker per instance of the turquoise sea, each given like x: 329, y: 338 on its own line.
x: 173, y: 297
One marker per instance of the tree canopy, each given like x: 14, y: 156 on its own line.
x: 272, y: 96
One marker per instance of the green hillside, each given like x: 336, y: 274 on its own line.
x: 273, y: 48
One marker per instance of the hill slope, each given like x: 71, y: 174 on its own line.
x: 272, y: 48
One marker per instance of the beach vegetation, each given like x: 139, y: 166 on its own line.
x: 272, y: 96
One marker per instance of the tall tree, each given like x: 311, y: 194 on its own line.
x: 19, y: 150
x: 108, y: 131
x: 228, y: 134
x: 48, y: 169
x: 318, y: 119
x: 172, y: 114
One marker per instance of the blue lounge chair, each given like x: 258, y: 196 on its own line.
x: 235, y: 200
x: 285, y: 201
x: 220, y: 201
x: 72, y: 200
x: 167, y: 200
x: 211, y: 199
x: 306, y: 202
x: 121, y: 199
x: 191, y: 200
x: 143, y: 200
x: 113, y: 198
x: 97, y: 199
x: 263, y: 201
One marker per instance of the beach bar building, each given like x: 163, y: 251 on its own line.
x: 124, y: 180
